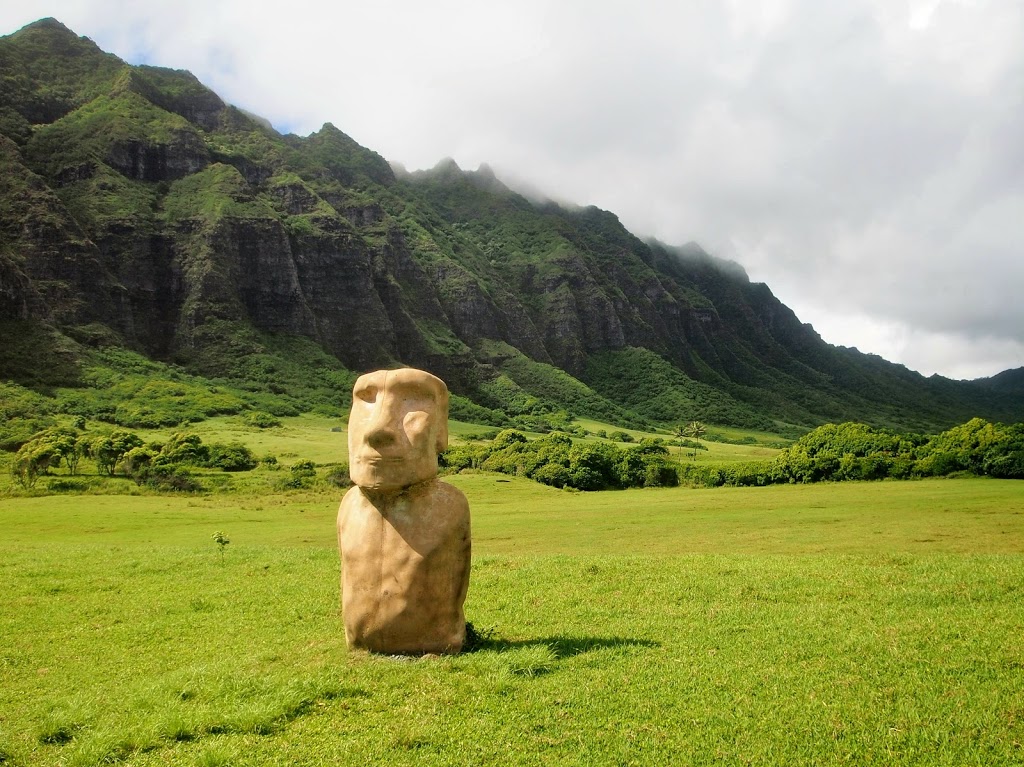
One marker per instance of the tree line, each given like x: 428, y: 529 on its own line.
x: 556, y: 460
x: 856, y: 451
x: 162, y: 465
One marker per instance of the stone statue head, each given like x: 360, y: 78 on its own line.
x: 397, y: 426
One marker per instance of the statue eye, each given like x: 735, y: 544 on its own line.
x: 367, y: 394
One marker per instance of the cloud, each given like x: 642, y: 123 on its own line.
x: 955, y: 355
x: 861, y: 157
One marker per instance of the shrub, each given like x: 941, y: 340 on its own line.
x: 592, y: 467
x: 186, y: 449
x: 339, y: 476
x: 302, y: 474
x: 1009, y: 466
x: 552, y: 474
x: 173, y: 478
x: 459, y: 457
x: 67, y: 486
x: 700, y: 475
x: 659, y: 473
x: 507, y: 438
x: 138, y: 461
x: 260, y: 420
x: 631, y: 469
x: 233, y: 456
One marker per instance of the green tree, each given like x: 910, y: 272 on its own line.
x: 82, y: 449
x: 33, y: 459
x: 64, y: 443
x: 109, y: 450
x: 137, y: 462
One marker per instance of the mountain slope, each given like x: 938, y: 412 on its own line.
x: 137, y: 208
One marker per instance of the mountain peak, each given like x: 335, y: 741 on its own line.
x: 55, y: 35
x: 446, y: 166
x: 49, y: 23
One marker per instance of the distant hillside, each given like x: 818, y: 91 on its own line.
x: 138, y: 209
x: 1008, y: 382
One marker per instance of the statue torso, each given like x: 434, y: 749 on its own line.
x: 405, y: 568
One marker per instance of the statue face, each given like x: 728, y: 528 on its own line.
x: 398, y: 425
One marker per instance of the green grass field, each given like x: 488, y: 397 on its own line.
x: 855, y: 623
x: 309, y: 437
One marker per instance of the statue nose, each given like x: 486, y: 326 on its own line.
x: 383, y: 431
x: 381, y: 436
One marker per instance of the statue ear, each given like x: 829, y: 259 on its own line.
x: 442, y: 436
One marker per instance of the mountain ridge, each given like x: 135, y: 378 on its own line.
x: 137, y: 207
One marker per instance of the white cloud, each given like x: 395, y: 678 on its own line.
x: 862, y: 157
x: 954, y: 355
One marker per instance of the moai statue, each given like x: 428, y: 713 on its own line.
x: 403, y: 534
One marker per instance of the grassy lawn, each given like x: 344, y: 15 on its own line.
x: 856, y: 623
x: 307, y: 437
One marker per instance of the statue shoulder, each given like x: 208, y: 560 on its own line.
x: 452, y: 495
x: 352, y: 496
x: 354, y: 504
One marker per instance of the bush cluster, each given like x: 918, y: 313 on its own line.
x: 162, y: 466
x: 555, y: 460
x: 261, y: 420
x: 837, y: 452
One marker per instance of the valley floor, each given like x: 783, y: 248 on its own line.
x: 861, y: 623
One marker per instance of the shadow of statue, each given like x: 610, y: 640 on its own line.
x: 561, y: 647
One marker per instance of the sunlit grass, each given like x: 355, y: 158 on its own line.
x: 307, y: 437
x: 861, y: 623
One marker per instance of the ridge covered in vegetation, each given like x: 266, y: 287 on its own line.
x: 165, y: 257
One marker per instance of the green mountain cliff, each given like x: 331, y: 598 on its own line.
x: 139, y: 210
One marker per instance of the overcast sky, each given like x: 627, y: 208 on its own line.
x: 864, y: 158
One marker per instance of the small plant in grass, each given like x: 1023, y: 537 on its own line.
x: 222, y: 541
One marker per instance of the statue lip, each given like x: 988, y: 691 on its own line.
x: 380, y: 459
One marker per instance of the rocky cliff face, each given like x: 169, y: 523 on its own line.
x: 135, y: 199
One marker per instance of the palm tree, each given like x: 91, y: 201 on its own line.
x: 680, y: 432
x: 695, y: 429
